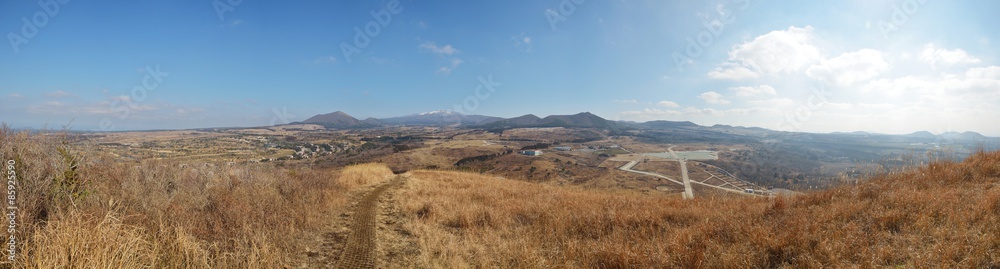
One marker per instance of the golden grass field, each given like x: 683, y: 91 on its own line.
x: 942, y: 215
x: 77, y: 211
x: 108, y: 214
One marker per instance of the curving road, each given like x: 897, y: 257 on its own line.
x: 688, y: 191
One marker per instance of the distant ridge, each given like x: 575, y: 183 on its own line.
x: 337, y: 119
x: 579, y: 120
x: 966, y: 136
x: 922, y: 134
x: 671, y: 124
x: 342, y: 120
x: 439, y: 117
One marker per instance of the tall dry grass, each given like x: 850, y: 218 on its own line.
x: 942, y: 215
x: 158, y: 214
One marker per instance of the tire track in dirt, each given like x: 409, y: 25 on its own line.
x: 360, y: 249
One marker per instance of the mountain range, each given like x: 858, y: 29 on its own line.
x: 342, y: 120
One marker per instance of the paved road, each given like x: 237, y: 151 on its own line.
x: 688, y: 191
x: 628, y: 168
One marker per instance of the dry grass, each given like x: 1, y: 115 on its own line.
x: 363, y: 174
x: 942, y: 215
x: 157, y: 214
x: 105, y: 213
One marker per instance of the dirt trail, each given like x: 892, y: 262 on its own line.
x: 360, y: 249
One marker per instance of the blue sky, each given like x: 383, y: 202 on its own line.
x: 818, y: 66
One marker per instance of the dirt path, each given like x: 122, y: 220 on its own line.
x: 360, y: 251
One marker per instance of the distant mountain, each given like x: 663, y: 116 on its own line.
x: 522, y: 121
x: 662, y: 124
x: 439, y: 117
x: 965, y: 136
x: 337, y: 119
x: 372, y: 121
x: 921, y: 134
x: 579, y: 120
x: 585, y: 120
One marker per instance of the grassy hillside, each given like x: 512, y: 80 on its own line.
x: 942, y: 215
x: 79, y: 212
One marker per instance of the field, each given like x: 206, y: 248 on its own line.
x: 78, y: 207
x: 77, y: 210
x: 942, y: 215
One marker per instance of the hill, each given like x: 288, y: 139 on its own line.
x: 337, y: 119
x: 944, y: 214
x: 585, y: 120
x: 965, y: 136
x: 922, y: 134
x: 439, y: 117
x: 579, y: 120
x: 669, y: 124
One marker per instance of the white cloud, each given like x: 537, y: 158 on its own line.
x: 775, y: 102
x: 60, y: 94
x: 850, y: 68
x: 325, y: 60
x: 753, y: 91
x: 455, y: 62
x: 667, y: 104
x: 693, y: 113
x: 630, y: 101
x: 434, y: 48
x: 713, y: 98
x: 732, y: 71
x: 774, y: 53
x: 990, y: 72
x: 236, y: 23
x: 84, y: 108
x: 935, y: 56
x: 14, y: 95
x: 522, y: 39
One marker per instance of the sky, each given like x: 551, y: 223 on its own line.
x: 887, y: 66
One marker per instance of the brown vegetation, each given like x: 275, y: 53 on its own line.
x: 79, y: 211
x: 942, y: 215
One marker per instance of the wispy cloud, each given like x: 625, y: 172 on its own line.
x: 629, y: 101
x: 713, y: 98
x: 522, y: 40
x: 753, y: 91
x: 442, y: 50
x: 325, y: 60
x: 455, y: 62
x: 938, y: 56
x: 670, y: 104
x: 60, y: 94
